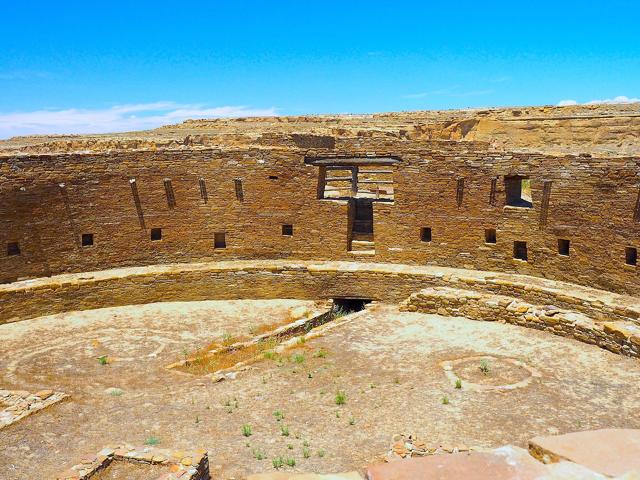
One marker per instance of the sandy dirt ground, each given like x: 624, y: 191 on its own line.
x: 386, y: 363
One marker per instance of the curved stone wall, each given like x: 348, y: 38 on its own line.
x: 47, y: 203
x: 589, y: 315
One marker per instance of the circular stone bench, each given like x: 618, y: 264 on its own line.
x: 587, y: 314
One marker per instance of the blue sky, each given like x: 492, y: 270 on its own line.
x: 89, y: 66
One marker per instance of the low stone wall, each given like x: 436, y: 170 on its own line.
x: 19, y: 404
x: 618, y: 337
x: 266, y: 279
x: 181, y: 465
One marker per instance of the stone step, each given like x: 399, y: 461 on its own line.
x: 362, y: 236
x: 362, y: 252
x: 611, y: 452
x: 360, y: 245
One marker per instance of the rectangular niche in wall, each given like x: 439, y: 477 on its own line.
x: 237, y: 182
x: 631, y: 256
x: 168, y: 190
x: 219, y: 240
x: 490, y: 235
x: 563, y: 247
x: 156, y: 234
x: 518, y: 190
x: 13, y: 249
x: 425, y: 234
x: 87, y: 239
x: 520, y: 250
x: 287, y: 230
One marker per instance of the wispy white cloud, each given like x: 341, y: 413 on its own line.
x: 448, y: 92
x: 23, y: 75
x: 503, y: 79
x: 622, y: 99
x: 119, y: 118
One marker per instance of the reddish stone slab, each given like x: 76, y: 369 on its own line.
x: 305, y: 476
x: 611, y: 452
x: 505, y: 463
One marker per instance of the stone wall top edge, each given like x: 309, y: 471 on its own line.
x: 398, y: 150
x: 454, y: 275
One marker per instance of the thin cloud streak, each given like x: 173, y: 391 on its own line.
x: 119, y: 118
x: 23, y: 75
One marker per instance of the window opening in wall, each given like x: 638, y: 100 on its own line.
x: 490, y: 235
x: 425, y: 234
x: 520, y: 250
x: 273, y: 177
x: 156, y: 234
x: 219, y: 240
x: 631, y: 255
x: 518, y: 190
x: 563, y: 246
x: 13, y: 249
x: 87, y: 239
x: 287, y: 230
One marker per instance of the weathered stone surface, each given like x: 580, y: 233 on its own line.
x: 305, y: 476
x: 506, y: 463
x: 612, y: 452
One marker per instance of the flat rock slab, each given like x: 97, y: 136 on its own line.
x: 305, y: 476
x: 505, y: 463
x: 612, y: 452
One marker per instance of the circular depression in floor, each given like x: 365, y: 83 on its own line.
x: 489, y: 372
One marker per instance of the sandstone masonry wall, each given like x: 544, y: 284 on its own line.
x: 48, y: 201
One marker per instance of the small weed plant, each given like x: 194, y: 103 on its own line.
x: 484, y: 366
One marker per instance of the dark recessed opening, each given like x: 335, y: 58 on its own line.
x: 156, y: 234
x: 287, y: 230
x: 490, y: 235
x: 219, y: 240
x: 631, y: 255
x: 87, y: 239
x: 425, y: 234
x: 520, y: 250
x: 273, y: 177
x: 563, y: 246
x: 518, y: 190
x: 349, y: 305
x: 13, y: 249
